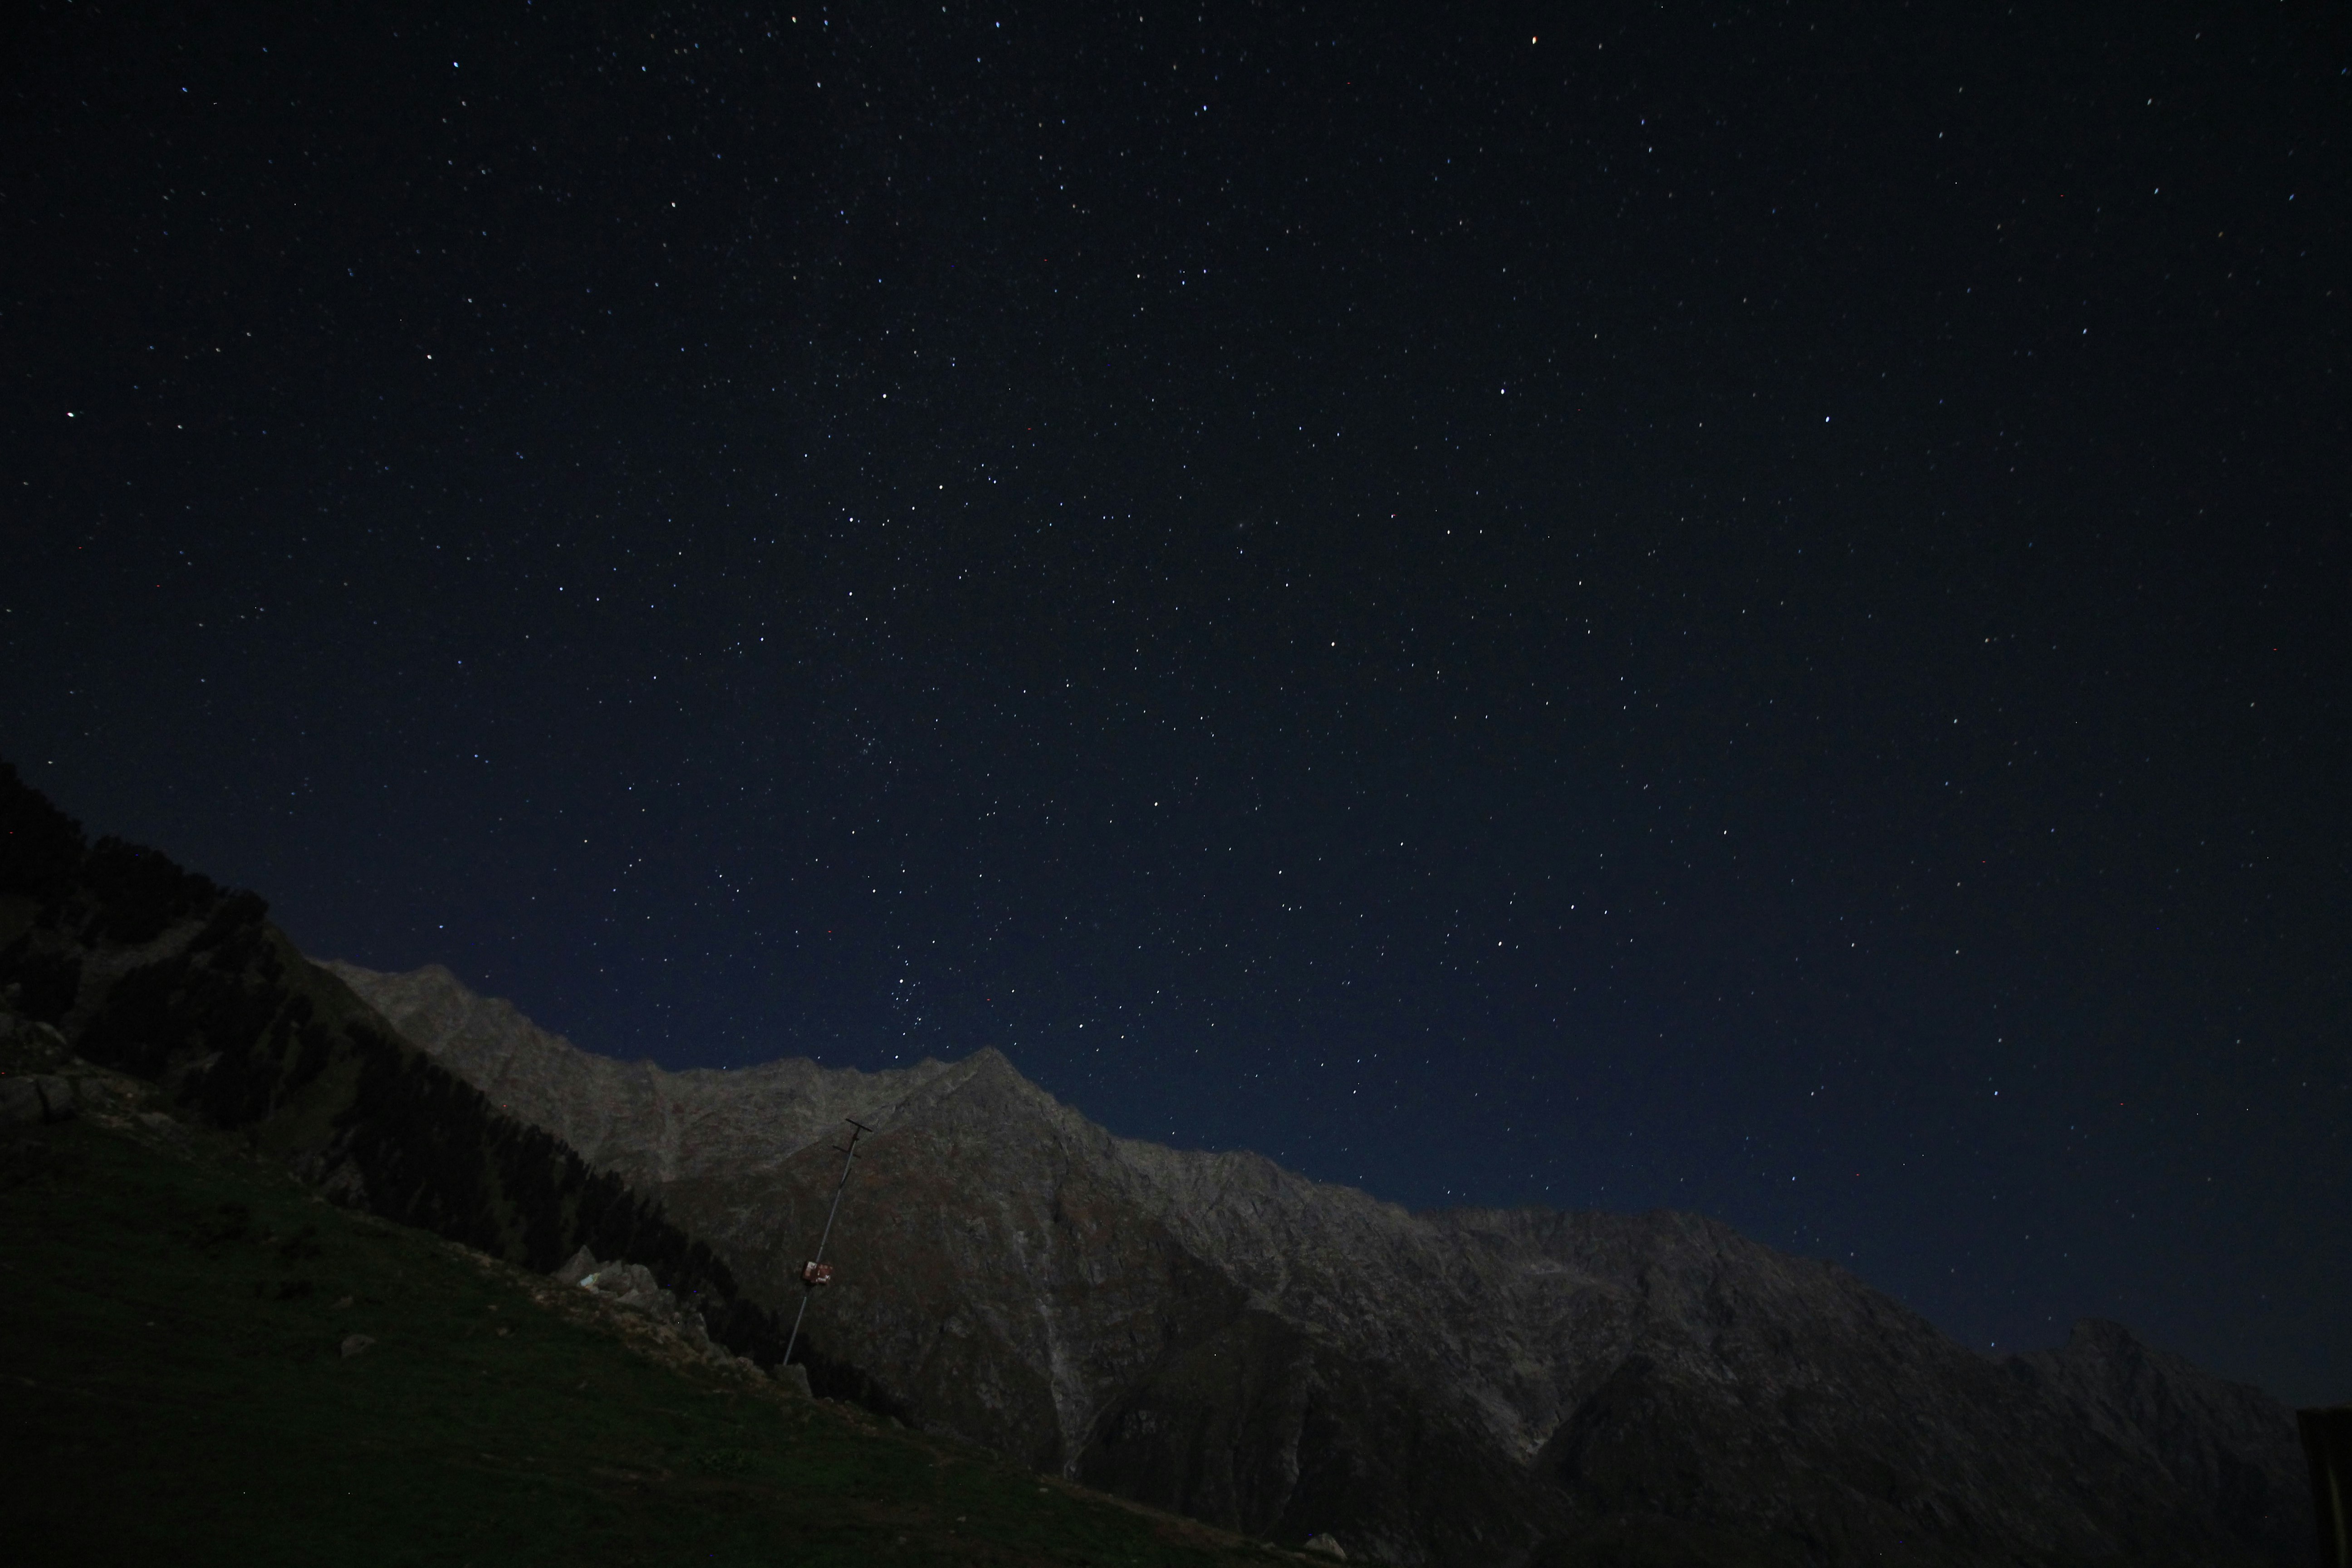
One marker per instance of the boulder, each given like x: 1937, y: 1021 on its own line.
x: 31, y: 1101
x: 167, y: 1127
x: 58, y: 1094
x: 632, y: 1285
x: 576, y: 1268
x: 25, y: 1044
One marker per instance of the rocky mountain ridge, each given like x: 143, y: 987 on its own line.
x: 645, y: 1125
x: 1213, y: 1333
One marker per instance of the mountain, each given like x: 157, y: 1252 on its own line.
x: 647, y: 1126
x: 155, y: 972
x: 1212, y: 1333
x: 1202, y: 1330
x: 2223, y: 1441
x: 206, y: 1364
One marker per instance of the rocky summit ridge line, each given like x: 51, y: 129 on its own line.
x: 1210, y: 1332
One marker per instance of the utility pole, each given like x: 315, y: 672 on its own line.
x: 814, y: 1272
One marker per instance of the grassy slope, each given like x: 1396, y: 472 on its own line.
x: 172, y: 1389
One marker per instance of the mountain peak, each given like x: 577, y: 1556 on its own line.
x: 2103, y: 1334
x: 650, y: 1125
x: 1210, y: 1332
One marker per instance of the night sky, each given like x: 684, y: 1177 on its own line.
x: 1727, y: 606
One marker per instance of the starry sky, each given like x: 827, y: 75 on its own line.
x: 1731, y: 605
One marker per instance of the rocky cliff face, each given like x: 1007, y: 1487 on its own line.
x: 1210, y: 1332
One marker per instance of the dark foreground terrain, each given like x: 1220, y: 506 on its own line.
x: 173, y: 1389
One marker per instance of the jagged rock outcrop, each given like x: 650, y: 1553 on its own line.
x: 633, y: 1287
x: 1210, y: 1332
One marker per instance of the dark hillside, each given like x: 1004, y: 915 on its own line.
x: 159, y: 973
x: 175, y: 1387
